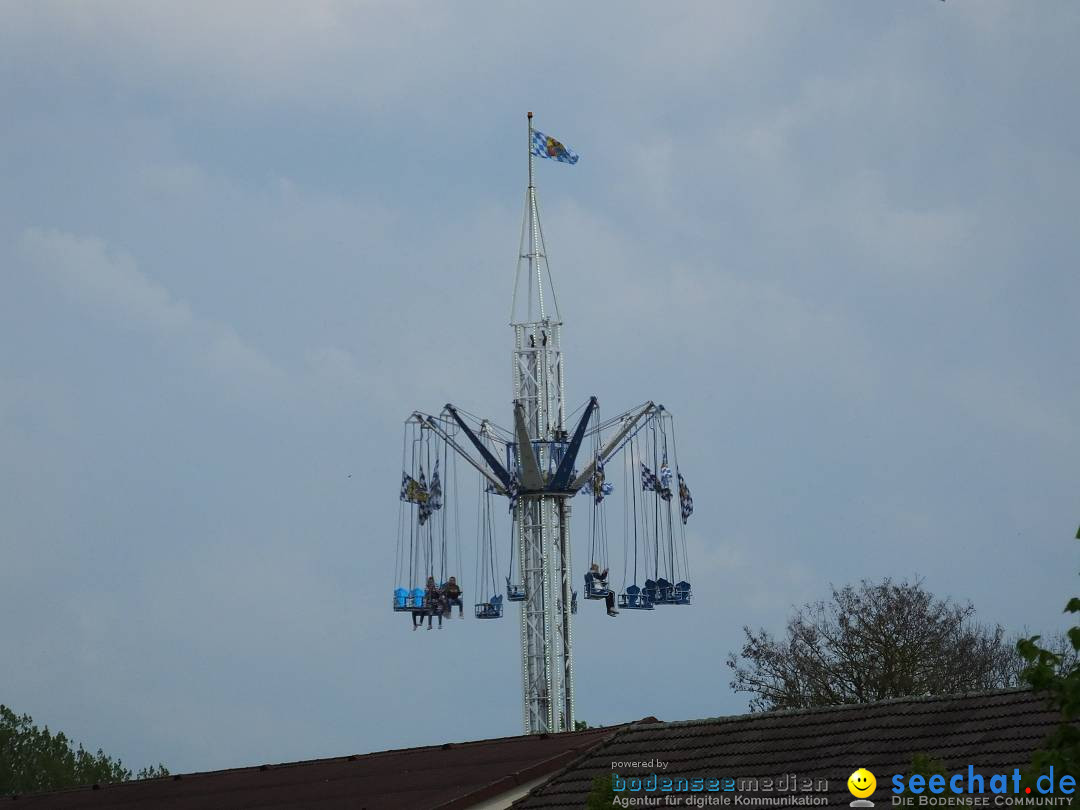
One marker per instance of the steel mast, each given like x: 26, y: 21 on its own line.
x: 542, y: 518
x: 539, y: 475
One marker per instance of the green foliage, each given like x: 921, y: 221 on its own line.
x: 1058, y: 676
x: 602, y: 796
x: 926, y: 766
x: 33, y: 759
x: 152, y: 772
x: 580, y: 725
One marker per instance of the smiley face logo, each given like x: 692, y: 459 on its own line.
x: 861, y: 783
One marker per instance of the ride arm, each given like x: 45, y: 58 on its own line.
x: 530, y: 470
x: 433, y: 425
x: 497, y: 468
x: 610, y: 447
x: 566, y: 466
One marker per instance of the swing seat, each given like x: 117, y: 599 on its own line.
x: 597, y: 589
x: 664, y: 590
x: 573, y: 603
x: 416, y: 599
x: 682, y: 593
x: 401, y: 599
x: 490, y: 610
x: 633, y: 598
x: 651, y: 591
x: 515, y: 593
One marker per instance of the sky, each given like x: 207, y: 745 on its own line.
x: 240, y: 242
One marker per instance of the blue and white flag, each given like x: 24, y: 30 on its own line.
x: 649, y: 481
x: 425, y: 503
x: 412, y: 490
x: 435, y: 492
x: 597, y: 486
x: 686, y: 502
x: 512, y: 492
x: 547, y: 147
x: 665, y: 475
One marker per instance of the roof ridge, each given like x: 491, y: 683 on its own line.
x: 575, y: 761
x: 465, y: 743
x: 843, y: 707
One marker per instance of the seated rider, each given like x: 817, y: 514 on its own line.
x: 418, y: 618
x: 433, y: 601
x: 443, y: 607
x: 423, y: 608
x: 431, y: 593
x: 452, y: 592
x: 595, y: 581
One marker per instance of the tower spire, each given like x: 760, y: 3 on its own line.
x: 534, y: 301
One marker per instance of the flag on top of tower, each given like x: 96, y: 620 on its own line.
x: 547, y: 147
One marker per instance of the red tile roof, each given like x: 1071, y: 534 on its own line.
x: 455, y: 775
x: 994, y: 731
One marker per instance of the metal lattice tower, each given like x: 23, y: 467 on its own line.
x: 540, y: 474
x: 547, y: 666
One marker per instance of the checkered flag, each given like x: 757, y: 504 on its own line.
x: 649, y: 481
x: 435, y: 495
x: 686, y: 501
x: 665, y: 475
x: 425, y: 503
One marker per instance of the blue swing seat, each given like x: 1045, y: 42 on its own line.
x: 633, y: 598
x: 416, y: 600
x: 490, y: 610
x: 401, y: 599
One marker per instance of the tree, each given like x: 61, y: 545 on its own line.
x: 602, y: 795
x: 1057, y: 675
x: 33, y: 759
x: 873, y: 642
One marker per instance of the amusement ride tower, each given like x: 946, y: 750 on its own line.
x: 538, y: 474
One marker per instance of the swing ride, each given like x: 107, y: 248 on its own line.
x: 539, y: 466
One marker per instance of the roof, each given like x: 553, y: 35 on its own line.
x: 454, y: 775
x: 993, y: 731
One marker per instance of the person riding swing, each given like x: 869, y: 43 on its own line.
x: 596, y: 581
x: 452, y: 592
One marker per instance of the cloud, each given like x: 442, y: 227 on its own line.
x: 86, y: 270
x: 111, y: 284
